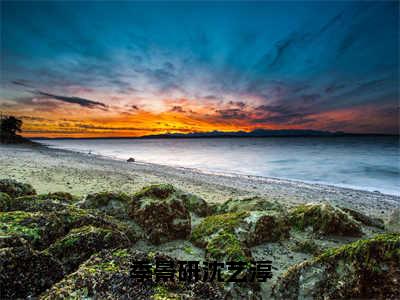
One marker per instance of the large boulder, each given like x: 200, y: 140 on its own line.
x: 162, y: 215
x: 80, y: 243
x: 220, y: 236
x: 250, y: 228
x: 25, y: 272
x: 266, y: 226
x: 324, y: 219
x: 108, y: 275
x: 114, y: 204
x: 193, y: 203
x: 16, y: 189
x: 366, y: 269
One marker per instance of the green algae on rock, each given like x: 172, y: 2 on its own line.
x: 364, y: 219
x: 43, y: 228
x: 5, y: 201
x: 324, y: 219
x: 38, y: 228
x: 108, y: 275
x: 367, y: 268
x: 16, y: 189
x: 80, y: 243
x: 250, y: 204
x: 36, y: 203
x: 114, y: 204
x: 161, y: 214
x: 25, y: 272
x: 193, y: 203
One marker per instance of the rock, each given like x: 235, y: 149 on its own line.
x: 250, y: 204
x: 25, y: 272
x: 131, y: 159
x: 193, y: 203
x: 36, y: 203
x: 5, y: 201
x: 366, y: 220
x: 251, y: 228
x: 393, y: 223
x: 38, y: 228
x: 219, y: 235
x: 108, y: 275
x: 114, y: 204
x: 306, y: 246
x: 162, y: 214
x: 16, y: 189
x: 44, y: 228
x: 324, y: 219
x: 365, y: 269
x: 80, y: 243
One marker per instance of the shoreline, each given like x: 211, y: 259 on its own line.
x: 80, y: 173
x: 229, y: 174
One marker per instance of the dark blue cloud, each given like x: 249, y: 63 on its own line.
x: 293, y: 55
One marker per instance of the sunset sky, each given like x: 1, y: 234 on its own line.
x: 87, y: 69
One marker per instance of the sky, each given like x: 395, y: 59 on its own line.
x: 97, y: 69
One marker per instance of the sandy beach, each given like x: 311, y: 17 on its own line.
x: 51, y: 170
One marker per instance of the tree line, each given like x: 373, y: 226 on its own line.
x: 10, y: 126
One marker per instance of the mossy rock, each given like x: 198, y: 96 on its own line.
x: 108, y: 275
x: 16, y: 189
x: 156, y: 191
x: 324, y: 219
x: 43, y: 228
x: 114, y: 204
x: 80, y: 243
x: 364, y: 219
x: 367, y: 268
x: 225, y: 246
x: 251, y: 228
x: 38, y: 228
x: 250, y: 204
x: 212, y: 225
x: 25, y: 272
x: 193, y: 203
x: 36, y: 203
x: 266, y: 226
x: 162, y: 215
x: 5, y: 201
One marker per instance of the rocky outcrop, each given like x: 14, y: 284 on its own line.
x: 16, y: 189
x: 324, y: 219
x: 364, y: 269
x: 80, y: 243
x: 161, y: 212
x: 44, y: 228
x: 108, y: 275
x: 25, y: 272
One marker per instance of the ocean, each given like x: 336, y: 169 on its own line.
x: 366, y: 163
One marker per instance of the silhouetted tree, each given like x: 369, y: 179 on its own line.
x: 9, y: 127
